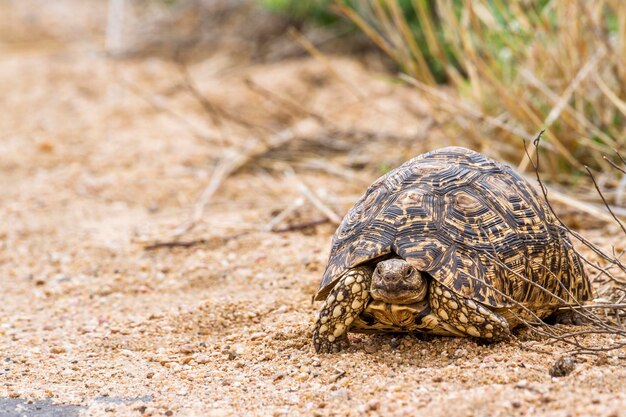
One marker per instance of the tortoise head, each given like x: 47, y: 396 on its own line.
x: 395, y: 281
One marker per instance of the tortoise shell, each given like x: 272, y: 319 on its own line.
x: 471, y: 223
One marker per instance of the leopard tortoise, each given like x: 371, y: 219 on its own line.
x: 449, y: 243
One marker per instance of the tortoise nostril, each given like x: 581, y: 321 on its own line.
x: 394, y: 277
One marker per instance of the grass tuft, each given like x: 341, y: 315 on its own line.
x: 514, y: 68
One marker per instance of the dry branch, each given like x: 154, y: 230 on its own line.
x: 228, y: 166
x: 215, y: 112
x: 302, y: 226
x: 312, y: 197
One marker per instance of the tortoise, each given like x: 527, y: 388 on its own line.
x: 450, y: 243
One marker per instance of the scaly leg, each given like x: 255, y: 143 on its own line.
x: 344, y: 303
x: 570, y: 316
x: 466, y: 315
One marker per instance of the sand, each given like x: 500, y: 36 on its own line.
x: 93, y: 169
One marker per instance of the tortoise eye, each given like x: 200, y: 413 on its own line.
x: 410, y: 273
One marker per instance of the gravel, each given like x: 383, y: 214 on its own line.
x: 90, y: 171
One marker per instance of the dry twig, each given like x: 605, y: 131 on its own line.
x: 312, y: 197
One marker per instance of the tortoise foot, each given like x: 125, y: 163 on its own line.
x: 344, y: 303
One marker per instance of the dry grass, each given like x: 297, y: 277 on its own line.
x: 515, y: 68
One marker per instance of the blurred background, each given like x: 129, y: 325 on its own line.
x: 240, y: 76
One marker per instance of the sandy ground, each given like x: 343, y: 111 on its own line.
x: 92, y: 167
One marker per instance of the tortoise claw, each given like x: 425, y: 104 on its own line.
x: 323, y: 345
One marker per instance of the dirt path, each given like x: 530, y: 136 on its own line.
x: 90, y: 168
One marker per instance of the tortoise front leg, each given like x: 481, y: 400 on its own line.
x: 466, y: 315
x: 344, y: 303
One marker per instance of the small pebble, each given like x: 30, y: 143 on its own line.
x: 279, y: 376
x: 231, y: 355
x: 460, y: 353
x: 370, y: 348
x: 189, y: 348
x: 602, y: 360
x: 202, y: 359
x: 563, y: 366
x: 338, y: 375
x: 373, y: 405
